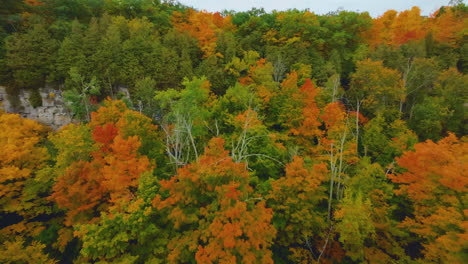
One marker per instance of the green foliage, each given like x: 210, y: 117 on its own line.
x: 188, y: 106
x: 72, y: 52
x: 428, y: 118
x: 451, y: 87
x: 355, y: 224
x: 135, y: 235
x: 384, y: 140
x: 376, y: 87
x: 30, y: 56
x: 68, y: 153
x: 144, y: 95
x: 78, y: 96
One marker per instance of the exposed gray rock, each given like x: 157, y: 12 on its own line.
x: 52, y: 112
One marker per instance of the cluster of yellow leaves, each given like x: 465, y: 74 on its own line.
x: 15, y: 252
x: 354, y: 223
x: 21, y: 160
x: 21, y: 155
x: 376, y: 86
x: 292, y: 27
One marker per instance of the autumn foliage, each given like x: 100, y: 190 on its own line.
x: 109, y: 176
x: 231, y: 137
x: 293, y: 199
x: 396, y: 28
x: 22, y: 156
x: 435, y: 180
x: 219, y: 218
x: 203, y: 26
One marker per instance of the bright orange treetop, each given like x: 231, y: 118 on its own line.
x: 108, y: 178
x: 212, y: 205
x: 393, y: 28
x: 203, y: 26
x: 436, y: 180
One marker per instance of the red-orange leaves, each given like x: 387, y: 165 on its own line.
x: 78, y: 190
x: 211, y: 200
x: 310, y: 124
x: 436, y: 181
x: 109, y: 179
x: 104, y: 135
x: 88, y: 187
x: 203, y: 26
x: 432, y: 166
x: 123, y: 168
x: 396, y: 28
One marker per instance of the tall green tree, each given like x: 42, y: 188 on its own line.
x: 30, y: 56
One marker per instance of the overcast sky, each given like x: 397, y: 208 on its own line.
x: 374, y: 7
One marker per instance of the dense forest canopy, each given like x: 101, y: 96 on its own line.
x: 245, y: 137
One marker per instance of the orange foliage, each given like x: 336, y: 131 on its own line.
x: 333, y: 116
x: 203, y: 26
x: 437, y: 183
x: 104, y: 135
x: 248, y: 120
x: 393, y: 28
x: 310, y: 124
x: 448, y: 26
x: 380, y: 32
x: 210, y: 200
x: 362, y: 119
x: 109, y: 179
x: 408, y: 25
x: 112, y: 112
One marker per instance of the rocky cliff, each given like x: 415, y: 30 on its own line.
x: 52, y: 112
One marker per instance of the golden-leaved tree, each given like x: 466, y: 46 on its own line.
x: 24, y: 186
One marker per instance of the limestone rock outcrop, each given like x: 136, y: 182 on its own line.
x: 52, y: 112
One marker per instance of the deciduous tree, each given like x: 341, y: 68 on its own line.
x: 215, y: 212
x: 435, y: 180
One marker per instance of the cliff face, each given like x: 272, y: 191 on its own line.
x: 52, y: 112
